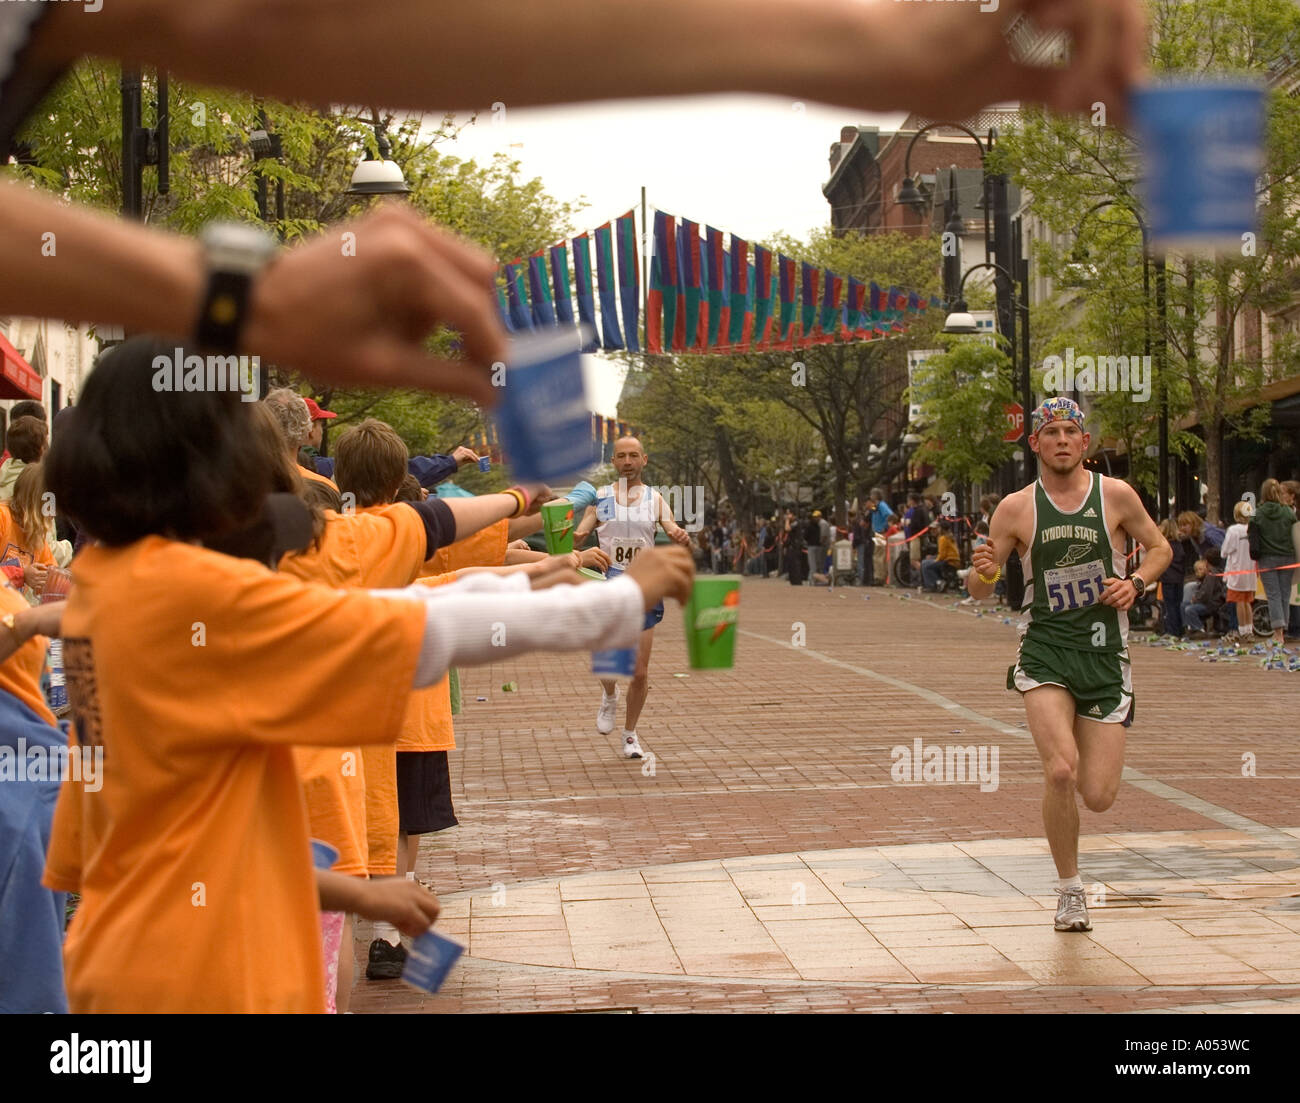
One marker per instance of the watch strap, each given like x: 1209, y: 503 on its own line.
x: 236, y: 253
x: 224, y: 310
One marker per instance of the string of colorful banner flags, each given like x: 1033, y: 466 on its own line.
x: 703, y: 298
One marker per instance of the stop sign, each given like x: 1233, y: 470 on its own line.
x: 1016, y: 422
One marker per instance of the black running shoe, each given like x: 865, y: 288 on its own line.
x: 386, y: 961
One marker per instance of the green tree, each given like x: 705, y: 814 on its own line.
x: 72, y: 145
x: 851, y: 394
x: 1071, y: 166
x: 962, y: 393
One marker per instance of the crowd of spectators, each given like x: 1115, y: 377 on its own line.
x: 1211, y: 587
x: 800, y: 546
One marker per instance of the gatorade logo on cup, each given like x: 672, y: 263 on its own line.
x: 719, y: 617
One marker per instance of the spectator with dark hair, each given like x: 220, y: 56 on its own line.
x: 794, y: 549
x: 1291, y: 497
x: 410, y: 490
x: 1175, y: 576
x: 812, y: 538
x: 28, y: 438
x: 916, y: 520
x: 1274, y: 519
x: 25, y: 408
x: 932, y: 567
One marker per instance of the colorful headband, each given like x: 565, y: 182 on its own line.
x: 1057, y: 408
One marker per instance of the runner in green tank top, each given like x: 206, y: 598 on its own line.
x: 1069, y: 527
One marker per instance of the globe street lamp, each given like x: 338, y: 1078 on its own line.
x: 378, y: 175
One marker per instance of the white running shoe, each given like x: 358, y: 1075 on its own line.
x: 631, y: 748
x: 1071, y: 911
x: 605, y: 717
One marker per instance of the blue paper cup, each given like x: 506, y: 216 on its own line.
x: 614, y: 663
x: 323, y: 856
x: 429, y: 960
x: 485, y: 463
x: 542, y: 416
x: 1202, y: 146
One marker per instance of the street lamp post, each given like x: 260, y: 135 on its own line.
x: 960, y: 321
x: 142, y: 145
x: 267, y: 147
x: 999, y: 247
x: 1163, y: 446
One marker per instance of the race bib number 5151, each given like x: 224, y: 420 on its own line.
x: 1074, y: 587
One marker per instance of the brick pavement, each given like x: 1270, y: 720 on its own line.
x: 790, y: 754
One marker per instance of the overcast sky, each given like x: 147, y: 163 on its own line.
x: 748, y: 165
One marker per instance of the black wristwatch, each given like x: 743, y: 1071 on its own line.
x: 236, y: 252
x: 1139, y: 584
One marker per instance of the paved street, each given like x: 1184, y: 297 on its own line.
x: 766, y: 859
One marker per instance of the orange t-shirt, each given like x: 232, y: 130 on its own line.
x: 197, y: 673
x: 428, y: 724
x: 14, y: 545
x: 308, y: 473
x: 380, y: 547
x: 20, y: 674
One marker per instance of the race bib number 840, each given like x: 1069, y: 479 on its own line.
x: 624, y: 551
x: 1074, y: 587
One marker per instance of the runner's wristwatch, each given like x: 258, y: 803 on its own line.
x: 1139, y: 584
x: 235, y: 252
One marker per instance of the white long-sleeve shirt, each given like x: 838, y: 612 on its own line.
x: 1236, y: 557
x: 486, y: 617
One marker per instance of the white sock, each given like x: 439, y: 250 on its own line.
x: 627, y: 733
x: 387, y: 932
x: 608, y: 696
x: 1075, y: 882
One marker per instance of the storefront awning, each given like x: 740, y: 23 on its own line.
x: 17, y: 379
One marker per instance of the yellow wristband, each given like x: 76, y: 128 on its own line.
x: 989, y: 581
x: 522, y: 501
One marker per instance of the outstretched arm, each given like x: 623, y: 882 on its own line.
x: 351, y: 320
x: 874, y: 54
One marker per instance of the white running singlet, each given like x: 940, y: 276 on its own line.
x: 625, y: 530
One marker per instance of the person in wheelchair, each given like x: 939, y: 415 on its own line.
x: 939, y: 572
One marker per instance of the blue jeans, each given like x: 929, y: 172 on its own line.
x: 1277, y: 588
x: 1193, y: 612
x: 864, y: 563
x: 931, y: 573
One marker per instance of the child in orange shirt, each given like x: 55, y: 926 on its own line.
x: 196, y: 673
x: 24, y: 549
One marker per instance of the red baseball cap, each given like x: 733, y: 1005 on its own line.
x: 317, y: 414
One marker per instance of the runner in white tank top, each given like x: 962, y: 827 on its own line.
x: 626, y: 516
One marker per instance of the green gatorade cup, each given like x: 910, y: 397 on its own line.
x: 711, y: 622
x: 557, y: 523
